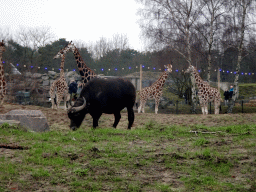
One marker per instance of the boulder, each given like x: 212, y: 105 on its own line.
x: 32, y: 120
x: 46, y: 83
x: 45, y: 77
x: 36, y: 75
x: 71, y: 74
x: 28, y: 74
x: 51, y: 74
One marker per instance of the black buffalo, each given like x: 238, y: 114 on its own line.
x: 103, y: 96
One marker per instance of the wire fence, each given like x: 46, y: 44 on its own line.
x: 27, y: 91
x: 182, y: 107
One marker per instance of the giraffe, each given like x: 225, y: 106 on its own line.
x: 86, y: 73
x: 206, y: 93
x: 61, y: 86
x: 2, y: 79
x: 154, y: 91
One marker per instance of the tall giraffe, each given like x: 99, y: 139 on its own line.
x: 206, y: 93
x: 85, y: 72
x: 2, y: 79
x: 60, y: 85
x: 155, y: 91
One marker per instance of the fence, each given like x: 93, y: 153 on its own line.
x: 181, y: 107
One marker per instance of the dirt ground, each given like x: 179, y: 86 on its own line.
x: 58, y: 119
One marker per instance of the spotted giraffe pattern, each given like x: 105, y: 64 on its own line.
x: 2, y: 78
x: 206, y: 93
x: 61, y: 87
x: 86, y: 73
x: 155, y: 91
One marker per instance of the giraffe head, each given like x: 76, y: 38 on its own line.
x: 66, y: 49
x: 168, y: 67
x: 190, y: 69
x: 2, y: 47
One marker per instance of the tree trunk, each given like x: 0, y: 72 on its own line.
x: 193, y: 85
x: 239, y: 59
x: 236, y: 87
x: 209, y: 66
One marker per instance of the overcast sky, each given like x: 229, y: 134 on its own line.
x: 85, y: 20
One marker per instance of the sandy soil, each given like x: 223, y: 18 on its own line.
x: 59, y: 119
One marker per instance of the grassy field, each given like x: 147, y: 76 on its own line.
x: 156, y: 155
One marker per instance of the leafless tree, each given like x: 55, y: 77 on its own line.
x: 238, y: 33
x: 210, y: 24
x: 35, y: 37
x: 5, y: 34
x: 171, y: 23
x: 120, y: 41
x: 101, y: 47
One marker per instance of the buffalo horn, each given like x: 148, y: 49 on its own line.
x: 79, y: 108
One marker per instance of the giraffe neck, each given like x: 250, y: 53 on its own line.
x: 62, y: 74
x: 1, y: 64
x: 80, y: 62
x: 162, y: 79
x: 198, y: 79
x: 83, y: 69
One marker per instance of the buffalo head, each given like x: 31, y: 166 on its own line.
x: 77, y: 113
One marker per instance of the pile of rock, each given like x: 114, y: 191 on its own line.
x: 47, y: 79
x: 35, y: 85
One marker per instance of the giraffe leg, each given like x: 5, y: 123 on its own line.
x: 206, y: 110
x: 52, y: 101
x: 58, y: 101
x: 217, y: 107
x: 156, y: 105
x: 142, y: 106
x: 202, y: 108
x: 139, y: 108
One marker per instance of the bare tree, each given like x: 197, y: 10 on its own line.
x: 210, y: 24
x: 5, y: 34
x: 35, y: 37
x: 120, y: 41
x: 240, y: 29
x: 171, y: 23
x: 101, y: 47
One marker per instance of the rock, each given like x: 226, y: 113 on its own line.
x: 70, y: 74
x: 36, y: 75
x: 10, y: 122
x: 28, y: 74
x: 51, y: 74
x: 33, y: 120
x: 46, y: 83
x: 45, y: 77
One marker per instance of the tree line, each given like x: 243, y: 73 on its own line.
x: 208, y: 34
x: 203, y: 31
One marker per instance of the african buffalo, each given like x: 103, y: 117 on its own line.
x: 103, y: 96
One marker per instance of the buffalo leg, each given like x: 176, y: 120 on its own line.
x: 96, y: 120
x: 117, y: 119
x: 130, y: 117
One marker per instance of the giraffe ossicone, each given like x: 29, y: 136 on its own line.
x: 2, y: 78
x: 155, y: 91
x: 206, y: 93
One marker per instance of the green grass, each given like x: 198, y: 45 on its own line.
x: 150, y: 157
